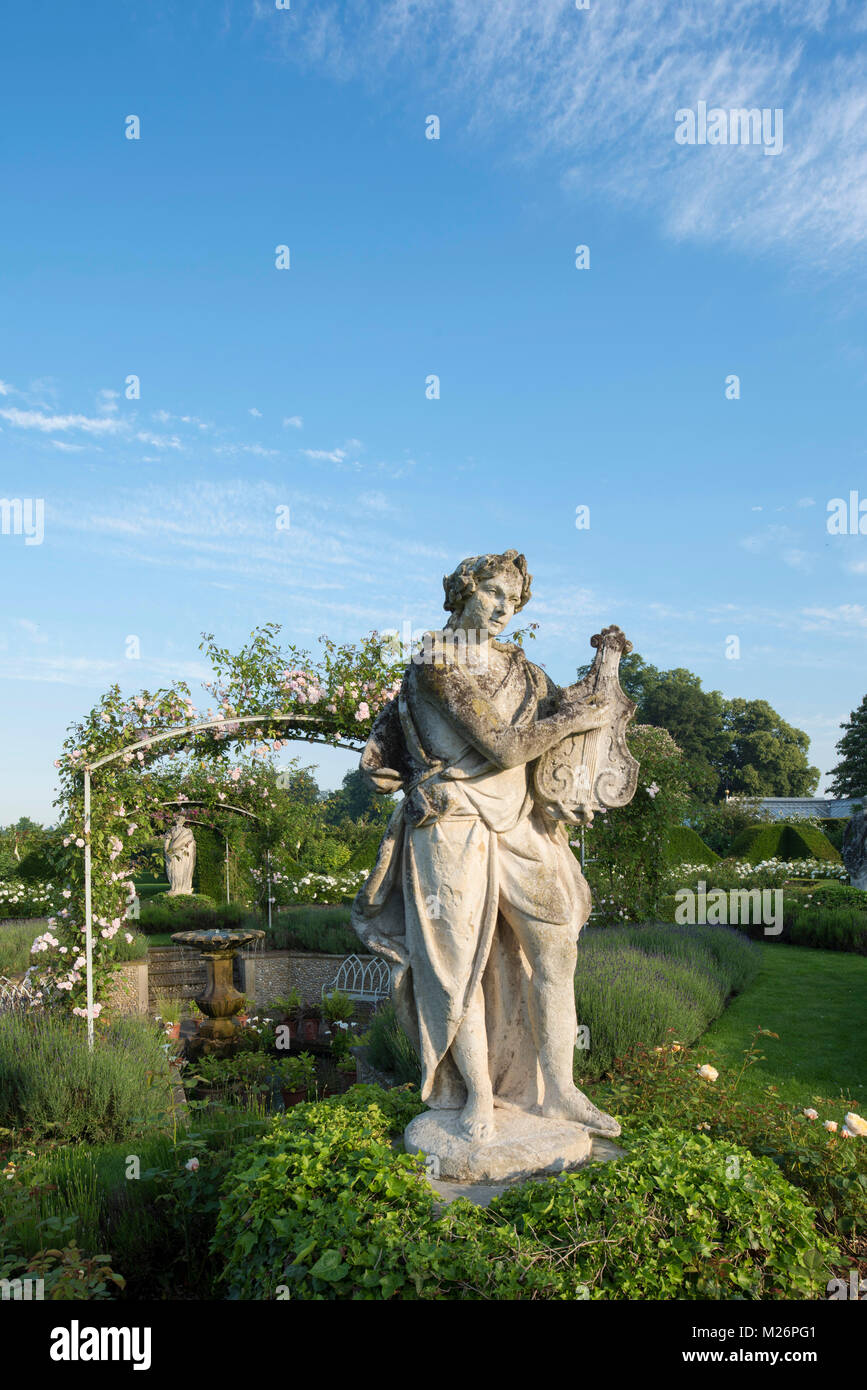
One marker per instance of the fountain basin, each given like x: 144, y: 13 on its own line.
x: 219, y: 1001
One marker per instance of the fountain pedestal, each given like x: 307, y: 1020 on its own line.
x: 220, y: 1001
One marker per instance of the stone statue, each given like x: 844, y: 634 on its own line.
x: 855, y: 849
x: 476, y: 898
x: 179, y: 851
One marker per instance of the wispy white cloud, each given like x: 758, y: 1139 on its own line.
x: 257, y: 414
x: 293, y: 422
x: 844, y: 617
x: 52, y: 424
x: 330, y: 455
x: 159, y: 441
x: 596, y: 92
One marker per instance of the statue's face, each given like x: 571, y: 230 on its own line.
x: 493, y: 604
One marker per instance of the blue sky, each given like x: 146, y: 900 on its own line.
x: 305, y: 387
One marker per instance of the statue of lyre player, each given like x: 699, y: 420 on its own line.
x: 476, y: 897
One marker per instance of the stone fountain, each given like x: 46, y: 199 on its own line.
x: 220, y: 1001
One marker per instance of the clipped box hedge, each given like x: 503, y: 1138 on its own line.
x: 685, y: 846
x: 782, y: 841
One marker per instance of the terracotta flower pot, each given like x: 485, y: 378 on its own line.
x: 293, y: 1097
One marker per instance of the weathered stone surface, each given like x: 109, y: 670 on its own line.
x: 128, y: 989
x: 476, y: 899
x: 179, y: 853
x: 854, y: 849
x: 481, y: 1194
x: 521, y: 1145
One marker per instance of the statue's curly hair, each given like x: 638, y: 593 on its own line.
x: 464, y: 581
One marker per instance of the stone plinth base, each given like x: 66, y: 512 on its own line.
x: 523, y: 1146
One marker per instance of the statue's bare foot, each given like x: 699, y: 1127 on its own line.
x: 477, y: 1119
x: 573, y: 1105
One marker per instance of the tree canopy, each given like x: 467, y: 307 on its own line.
x: 737, y: 746
x: 850, y: 774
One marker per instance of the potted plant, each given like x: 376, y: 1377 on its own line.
x: 310, y: 1023
x: 337, y: 1007
x: 346, y: 1066
x: 247, y: 1007
x: 168, y: 1014
x: 242, y: 1077
x: 296, y: 1077
x: 347, y: 1070
x: 288, y: 1011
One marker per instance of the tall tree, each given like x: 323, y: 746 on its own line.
x: 356, y: 799
x: 765, y: 755
x: 850, y: 774
x: 728, y: 745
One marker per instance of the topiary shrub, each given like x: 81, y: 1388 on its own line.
x: 210, y: 863
x: 683, y: 845
x: 779, y: 841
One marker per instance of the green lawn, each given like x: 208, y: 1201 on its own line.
x: 817, y: 1002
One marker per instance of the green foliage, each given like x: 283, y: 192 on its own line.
x: 629, y: 845
x: 662, y: 1085
x: 683, y: 845
x: 18, y: 841
x: 388, y: 1047
x: 828, y: 894
x: 779, y: 841
x: 52, y: 1085
x: 830, y: 929
x: 321, y: 929
x: 765, y: 756
x: 672, y: 1220
x: 734, y: 745
x: 68, y: 1274
x: 364, y: 857
x: 850, y: 774
x: 189, y: 912
x: 210, y: 863
x: 719, y: 824
x: 322, y: 1184
x: 136, y: 948
x: 357, y: 801
x: 835, y: 828
x: 16, y: 938
x: 337, y: 1007
x: 633, y: 986
x: 323, y: 1208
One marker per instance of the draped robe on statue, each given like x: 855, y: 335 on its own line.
x: 453, y: 922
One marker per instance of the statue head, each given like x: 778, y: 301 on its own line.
x: 485, y: 591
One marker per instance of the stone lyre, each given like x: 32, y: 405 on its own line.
x: 592, y: 771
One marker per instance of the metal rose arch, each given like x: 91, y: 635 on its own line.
x: 183, y: 733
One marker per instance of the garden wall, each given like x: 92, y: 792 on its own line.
x: 176, y: 973
x: 270, y: 975
x: 128, y: 989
